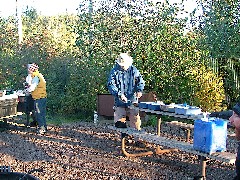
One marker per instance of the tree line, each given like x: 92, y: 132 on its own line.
x: 76, y: 52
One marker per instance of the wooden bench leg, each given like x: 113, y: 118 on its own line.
x: 203, y: 164
x: 161, y: 151
x: 188, y: 135
x: 158, y: 149
x: 134, y: 154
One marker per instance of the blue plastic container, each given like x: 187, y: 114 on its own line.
x: 210, y: 135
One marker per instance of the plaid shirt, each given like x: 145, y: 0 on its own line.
x: 125, y: 82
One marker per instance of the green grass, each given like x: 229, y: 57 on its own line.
x: 152, y: 120
x: 58, y: 119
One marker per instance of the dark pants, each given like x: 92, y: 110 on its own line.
x: 29, y: 104
x: 40, y: 111
x: 237, y: 163
x: 29, y: 107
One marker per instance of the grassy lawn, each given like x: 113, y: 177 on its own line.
x: 60, y: 119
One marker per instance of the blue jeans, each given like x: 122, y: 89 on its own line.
x: 40, y: 111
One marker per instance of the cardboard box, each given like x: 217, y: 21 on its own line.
x: 210, y: 135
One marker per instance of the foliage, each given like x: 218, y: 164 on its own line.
x: 156, y: 42
x: 220, y: 28
x: 151, y: 121
x: 76, y: 53
x: 8, y: 48
x: 208, y: 91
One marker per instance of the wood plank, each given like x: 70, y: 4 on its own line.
x: 226, y: 157
x: 192, y: 117
x: 11, y: 116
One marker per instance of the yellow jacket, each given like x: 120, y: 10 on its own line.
x: 40, y: 91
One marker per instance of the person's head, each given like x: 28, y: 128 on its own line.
x: 124, y: 60
x: 235, y: 118
x: 32, y: 68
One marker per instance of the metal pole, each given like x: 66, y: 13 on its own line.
x: 203, y: 166
x: 91, y: 27
x: 19, y: 21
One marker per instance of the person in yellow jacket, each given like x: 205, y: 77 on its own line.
x: 39, y: 94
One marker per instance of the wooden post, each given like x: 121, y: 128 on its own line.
x: 188, y: 135
x: 203, y: 166
x: 159, y: 125
x: 158, y: 150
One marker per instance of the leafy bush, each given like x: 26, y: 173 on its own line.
x: 208, y: 91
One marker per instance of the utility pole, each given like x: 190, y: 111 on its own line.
x: 19, y: 21
x: 91, y: 28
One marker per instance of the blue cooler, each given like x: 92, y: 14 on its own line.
x: 210, y: 135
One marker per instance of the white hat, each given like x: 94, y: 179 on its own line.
x: 124, y: 60
x: 33, y: 67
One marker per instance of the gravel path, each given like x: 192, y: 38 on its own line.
x: 88, y: 151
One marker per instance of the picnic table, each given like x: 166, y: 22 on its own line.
x: 8, y: 105
x: 171, y: 144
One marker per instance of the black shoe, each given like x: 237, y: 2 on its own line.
x: 198, y: 178
x: 33, y: 124
x: 124, y: 135
x: 120, y: 124
x: 140, y: 144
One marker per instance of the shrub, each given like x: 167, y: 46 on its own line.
x: 208, y: 91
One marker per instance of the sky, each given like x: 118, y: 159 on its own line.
x: 44, y: 7
x: 56, y: 7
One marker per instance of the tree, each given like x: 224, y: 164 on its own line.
x: 220, y: 26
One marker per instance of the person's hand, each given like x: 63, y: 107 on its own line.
x: 123, y: 98
x: 138, y: 95
x: 26, y: 91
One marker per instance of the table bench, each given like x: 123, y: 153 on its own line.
x: 174, y: 145
x: 5, y: 119
x: 186, y: 127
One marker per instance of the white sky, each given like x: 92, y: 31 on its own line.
x: 45, y: 7
x: 55, y: 7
